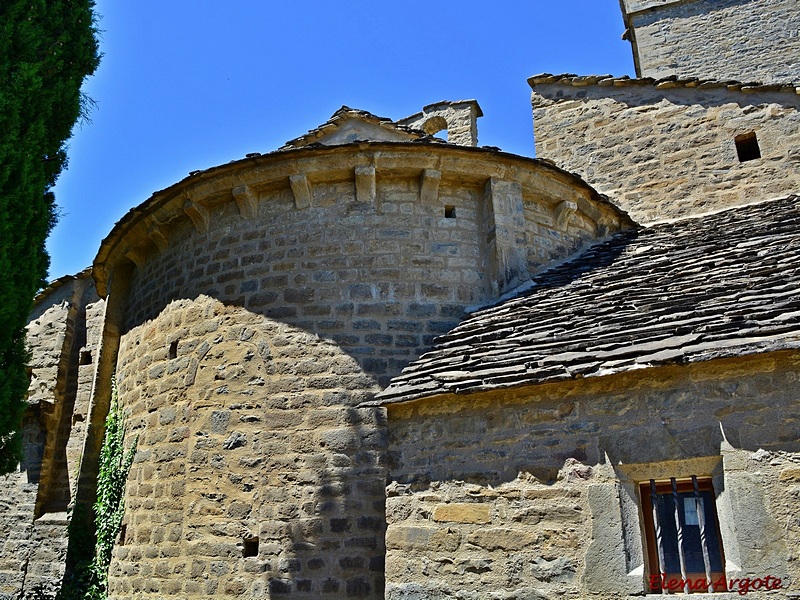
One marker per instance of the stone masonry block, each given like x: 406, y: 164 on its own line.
x: 462, y: 513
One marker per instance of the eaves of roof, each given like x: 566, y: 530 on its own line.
x: 721, y: 286
x: 666, y: 83
x: 166, y: 206
x: 57, y: 283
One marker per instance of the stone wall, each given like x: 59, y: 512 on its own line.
x: 253, y: 336
x: 531, y: 493
x: 248, y: 430
x: 742, y: 40
x: 35, y: 504
x: 666, y: 152
x: 17, y: 504
x: 382, y: 277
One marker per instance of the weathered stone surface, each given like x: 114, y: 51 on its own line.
x: 668, y: 153
x: 715, y: 39
x: 561, y: 518
x: 502, y: 539
x: 257, y: 308
x: 605, y: 569
x: 63, y: 335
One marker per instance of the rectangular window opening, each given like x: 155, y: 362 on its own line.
x: 250, y: 547
x: 173, y: 350
x: 747, y: 147
x: 449, y: 211
x: 682, y: 509
x: 85, y: 357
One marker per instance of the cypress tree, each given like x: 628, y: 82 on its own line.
x: 47, y: 49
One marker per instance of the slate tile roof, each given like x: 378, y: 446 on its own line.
x: 721, y: 285
x: 664, y: 83
x: 345, y: 113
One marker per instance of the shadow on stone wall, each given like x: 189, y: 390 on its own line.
x: 256, y: 472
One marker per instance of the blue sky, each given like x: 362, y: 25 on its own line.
x: 186, y: 85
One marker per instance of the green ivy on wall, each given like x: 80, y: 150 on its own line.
x: 89, y: 580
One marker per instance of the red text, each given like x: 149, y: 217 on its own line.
x: 741, y: 585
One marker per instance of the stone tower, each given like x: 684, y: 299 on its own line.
x: 742, y: 40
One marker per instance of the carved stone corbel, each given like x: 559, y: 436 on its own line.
x: 429, y: 186
x: 301, y: 190
x: 198, y: 214
x: 246, y: 200
x: 564, y: 212
x: 365, y: 184
x: 156, y: 235
x: 136, y: 256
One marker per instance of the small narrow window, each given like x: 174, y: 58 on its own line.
x: 747, y: 147
x: 682, y: 538
x: 173, y: 349
x: 122, y: 531
x: 449, y: 211
x: 85, y: 357
x: 250, y: 547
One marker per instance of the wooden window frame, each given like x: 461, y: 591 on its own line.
x: 682, y: 486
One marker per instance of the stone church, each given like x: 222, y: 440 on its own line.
x: 377, y: 364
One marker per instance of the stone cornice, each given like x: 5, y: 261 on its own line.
x: 573, y: 80
x: 633, y: 7
x: 146, y: 227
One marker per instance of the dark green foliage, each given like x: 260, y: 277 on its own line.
x: 47, y: 48
x: 85, y: 583
x: 115, y: 464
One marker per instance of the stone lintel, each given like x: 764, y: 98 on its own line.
x: 564, y: 212
x: 429, y: 186
x: 301, y: 190
x: 246, y: 200
x: 505, y: 235
x: 198, y: 214
x: 365, y: 183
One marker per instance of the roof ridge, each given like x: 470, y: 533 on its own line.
x: 343, y: 113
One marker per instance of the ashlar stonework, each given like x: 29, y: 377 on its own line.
x: 668, y: 149
x: 744, y: 40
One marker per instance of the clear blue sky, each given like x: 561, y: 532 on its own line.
x: 186, y: 85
